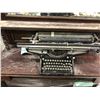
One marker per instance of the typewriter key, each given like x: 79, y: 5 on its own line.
x: 42, y: 58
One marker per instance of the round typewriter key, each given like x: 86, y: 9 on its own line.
x: 73, y: 57
x: 69, y: 60
x: 42, y: 58
x: 64, y: 66
x: 42, y: 68
x: 66, y: 63
x: 61, y: 69
x: 45, y: 68
x: 52, y: 68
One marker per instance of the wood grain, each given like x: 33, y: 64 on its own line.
x: 16, y: 64
x: 50, y: 25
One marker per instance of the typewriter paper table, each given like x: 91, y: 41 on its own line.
x: 14, y: 64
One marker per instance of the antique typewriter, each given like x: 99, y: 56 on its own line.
x: 57, y: 50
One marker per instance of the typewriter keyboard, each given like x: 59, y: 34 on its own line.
x: 57, y: 66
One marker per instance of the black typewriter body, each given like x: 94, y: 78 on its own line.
x: 57, y: 50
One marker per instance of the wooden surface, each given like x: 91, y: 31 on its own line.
x: 4, y: 16
x: 14, y: 64
x: 59, y: 26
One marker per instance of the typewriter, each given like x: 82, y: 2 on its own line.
x: 57, y: 50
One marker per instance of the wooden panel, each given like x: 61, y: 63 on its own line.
x: 4, y: 16
x: 15, y: 64
x: 50, y: 25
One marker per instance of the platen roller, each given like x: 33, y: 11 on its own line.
x: 65, y: 37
